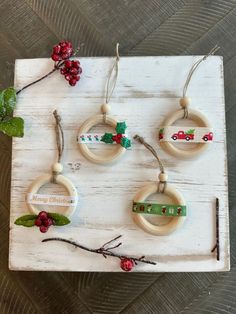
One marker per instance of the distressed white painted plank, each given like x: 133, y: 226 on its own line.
x: 148, y: 89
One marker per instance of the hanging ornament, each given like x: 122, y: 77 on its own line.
x: 176, y: 211
x: 202, y: 134
x: 119, y: 138
x: 42, y: 219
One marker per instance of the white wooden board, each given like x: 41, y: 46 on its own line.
x: 148, y: 89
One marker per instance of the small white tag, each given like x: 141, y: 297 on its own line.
x: 51, y: 200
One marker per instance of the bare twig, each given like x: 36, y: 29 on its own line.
x: 104, y: 251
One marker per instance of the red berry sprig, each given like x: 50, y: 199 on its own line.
x: 62, y: 51
x: 43, y: 221
x: 70, y: 69
x: 127, y: 263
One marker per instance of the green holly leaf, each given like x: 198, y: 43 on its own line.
x: 107, y: 138
x: 125, y: 142
x: 9, y: 96
x: 26, y: 220
x: 59, y: 220
x: 121, y: 127
x: 161, y: 131
x: 13, y: 126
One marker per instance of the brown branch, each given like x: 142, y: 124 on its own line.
x: 57, y: 67
x: 102, y: 250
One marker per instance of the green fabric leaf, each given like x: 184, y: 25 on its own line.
x: 107, y: 138
x: 27, y: 220
x: 13, y: 126
x: 59, y: 220
x: 121, y: 127
x: 9, y: 96
x: 161, y: 131
x: 125, y: 142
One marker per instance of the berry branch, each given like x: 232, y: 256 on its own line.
x: 70, y: 69
x: 126, y: 262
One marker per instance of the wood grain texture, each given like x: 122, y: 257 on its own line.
x: 139, y: 103
x: 221, y: 31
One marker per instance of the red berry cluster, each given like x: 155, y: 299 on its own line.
x: 62, y: 51
x: 117, y: 138
x: 126, y: 264
x: 43, y: 221
x: 71, y: 71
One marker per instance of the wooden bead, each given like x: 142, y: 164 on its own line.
x: 163, y: 177
x: 106, y: 108
x: 185, y: 102
x: 57, y: 168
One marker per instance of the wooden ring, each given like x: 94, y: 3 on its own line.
x: 59, y: 179
x: 170, y: 148
x: 88, y: 154
x: 162, y: 230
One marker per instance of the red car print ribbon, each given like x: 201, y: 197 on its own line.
x: 186, y: 134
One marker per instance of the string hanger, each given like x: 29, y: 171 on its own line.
x: 162, y: 176
x: 111, y: 83
x: 184, y: 101
x: 59, y: 135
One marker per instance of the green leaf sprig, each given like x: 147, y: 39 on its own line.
x: 11, y: 126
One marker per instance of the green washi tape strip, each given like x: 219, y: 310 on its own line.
x: 159, y: 209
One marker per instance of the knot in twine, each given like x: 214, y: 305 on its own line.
x: 161, y: 184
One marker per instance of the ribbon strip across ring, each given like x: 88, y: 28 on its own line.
x: 159, y: 209
x: 186, y: 134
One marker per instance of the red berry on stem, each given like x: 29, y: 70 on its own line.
x: 126, y: 264
x: 62, y: 43
x: 65, y: 56
x: 72, y: 82
x: 68, y: 64
x: 43, y: 215
x: 38, y: 222
x: 73, y: 71
x: 75, y: 64
x: 57, y: 49
x: 68, y: 77
x: 48, y: 222
x: 63, y: 71
x: 43, y: 229
x: 55, y: 57
x: 76, y: 77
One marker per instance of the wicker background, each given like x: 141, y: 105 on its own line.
x: 28, y: 29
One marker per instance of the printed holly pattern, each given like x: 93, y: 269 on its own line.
x: 119, y: 138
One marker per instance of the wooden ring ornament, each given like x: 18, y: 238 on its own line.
x: 59, y: 179
x: 162, y: 230
x: 110, y: 157
x: 170, y: 148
